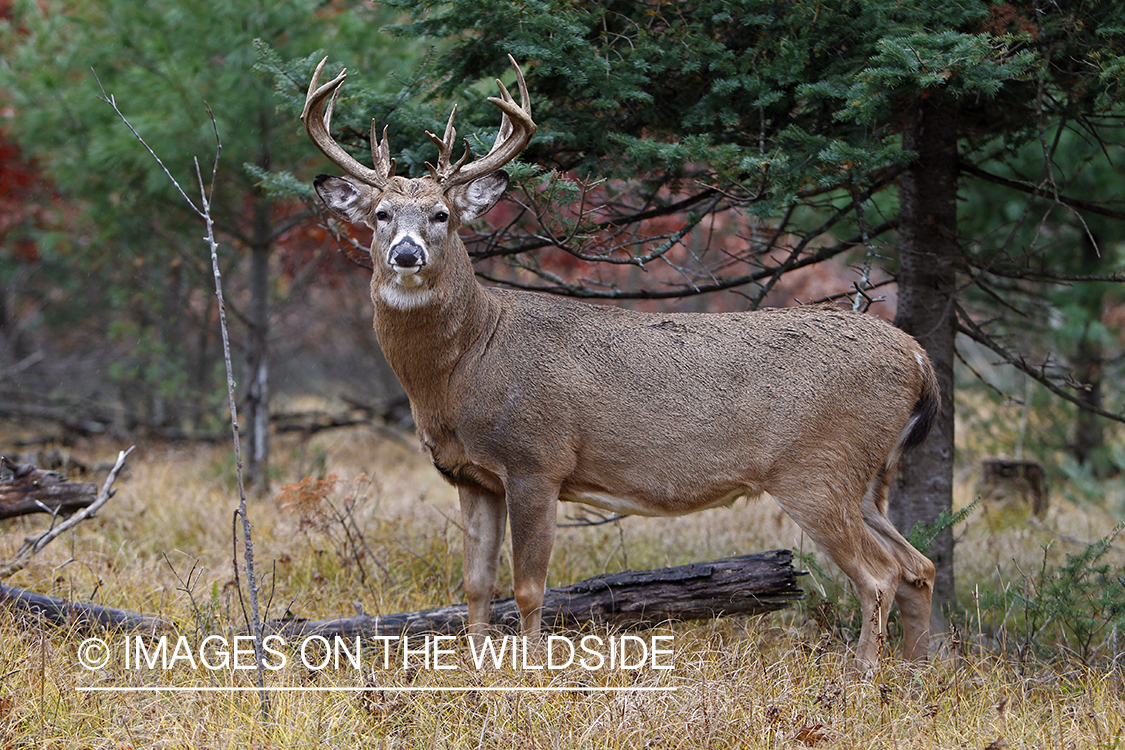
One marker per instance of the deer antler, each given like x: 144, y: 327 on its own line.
x: 317, y: 116
x: 444, y: 170
x: 516, y: 129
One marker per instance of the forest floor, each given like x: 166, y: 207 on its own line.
x: 358, y: 520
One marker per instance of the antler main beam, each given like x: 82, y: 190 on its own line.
x: 317, y: 116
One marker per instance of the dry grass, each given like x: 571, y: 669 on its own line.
x: 163, y: 546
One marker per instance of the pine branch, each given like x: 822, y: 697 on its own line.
x: 976, y: 333
x: 1039, y: 192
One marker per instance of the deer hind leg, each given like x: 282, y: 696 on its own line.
x: 916, y: 586
x: 531, y: 511
x: 483, y: 516
x: 838, y: 528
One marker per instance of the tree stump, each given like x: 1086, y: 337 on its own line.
x: 743, y: 585
x: 32, y: 490
x: 1003, y: 478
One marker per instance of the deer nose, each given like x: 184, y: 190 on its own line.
x: 408, y: 254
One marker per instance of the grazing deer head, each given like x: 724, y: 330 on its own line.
x: 525, y: 399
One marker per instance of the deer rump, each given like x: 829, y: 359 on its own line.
x: 664, y: 414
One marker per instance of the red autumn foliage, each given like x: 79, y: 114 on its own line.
x: 606, y: 240
x: 18, y: 180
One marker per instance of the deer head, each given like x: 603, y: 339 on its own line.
x: 415, y: 220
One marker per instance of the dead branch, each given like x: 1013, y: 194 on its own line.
x: 577, y: 291
x: 1016, y: 360
x: 1038, y: 192
x: 78, y: 420
x: 32, y: 545
x: 591, y: 517
x: 203, y: 210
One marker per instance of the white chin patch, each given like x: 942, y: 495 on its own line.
x: 407, y: 277
x: 405, y: 297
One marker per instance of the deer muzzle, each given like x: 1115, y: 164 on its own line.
x: 406, y: 254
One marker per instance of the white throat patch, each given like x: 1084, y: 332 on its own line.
x: 405, y: 298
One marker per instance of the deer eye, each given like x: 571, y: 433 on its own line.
x: 382, y: 216
x: 441, y: 217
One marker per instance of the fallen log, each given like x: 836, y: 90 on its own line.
x: 32, y: 545
x: 63, y: 612
x: 32, y: 490
x: 743, y: 585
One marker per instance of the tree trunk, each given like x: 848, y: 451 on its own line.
x: 1088, y: 362
x: 744, y: 585
x: 12, y: 335
x: 928, y: 256
x: 66, y: 613
x: 257, y: 372
x: 257, y: 355
x: 1089, y: 429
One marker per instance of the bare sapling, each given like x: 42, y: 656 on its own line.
x: 524, y: 399
x: 203, y: 211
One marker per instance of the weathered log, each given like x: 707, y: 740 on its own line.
x: 32, y: 490
x: 32, y: 545
x: 84, y: 615
x: 743, y: 585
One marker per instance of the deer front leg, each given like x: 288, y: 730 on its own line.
x: 483, y: 515
x: 531, y: 508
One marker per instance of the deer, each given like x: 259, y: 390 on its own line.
x: 523, y: 399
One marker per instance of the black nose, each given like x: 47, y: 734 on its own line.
x: 407, y: 254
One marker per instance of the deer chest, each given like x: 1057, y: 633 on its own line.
x: 448, y: 455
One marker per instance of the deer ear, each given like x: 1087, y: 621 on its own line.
x: 345, y: 198
x: 474, y: 199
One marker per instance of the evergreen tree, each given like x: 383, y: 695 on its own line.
x: 1028, y: 283
x: 141, y: 262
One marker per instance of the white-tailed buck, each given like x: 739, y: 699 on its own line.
x: 525, y: 399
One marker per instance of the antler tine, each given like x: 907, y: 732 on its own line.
x: 444, y: 170
x: 317, y: 116
x: 525, y: 102
x: 516, y: 129
x: 381, y: 151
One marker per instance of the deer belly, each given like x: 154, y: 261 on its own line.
x: 634, y: 506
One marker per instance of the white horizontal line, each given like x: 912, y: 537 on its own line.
x: 356, y: 689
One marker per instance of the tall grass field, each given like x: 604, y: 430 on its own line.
x: 356, y: 520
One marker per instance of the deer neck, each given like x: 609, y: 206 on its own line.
x: 425, y: 342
